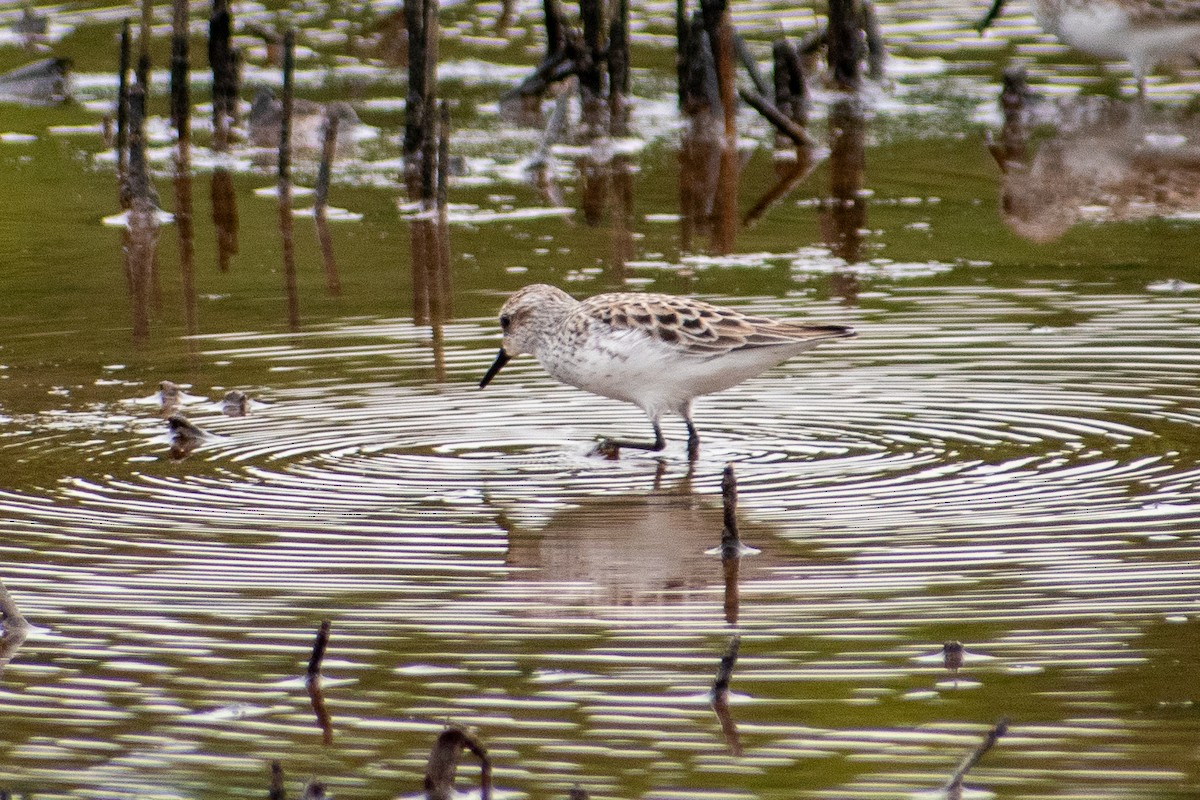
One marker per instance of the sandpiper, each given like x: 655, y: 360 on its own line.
x: 656, y: 351
x: 1143, y: 32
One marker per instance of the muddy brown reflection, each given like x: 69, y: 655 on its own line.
x: 1107, y: 161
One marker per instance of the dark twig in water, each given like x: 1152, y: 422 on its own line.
x: 952, y: 656
x: 990, y: 17
x: 725, y: 669
x: 313, y: 683
x: 443, y: 763
x: 318, y: 652
x: 989, y: 741
x: 276, y: 792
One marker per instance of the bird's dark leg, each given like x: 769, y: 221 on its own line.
x: 693, y: 440
x: 612, y: 447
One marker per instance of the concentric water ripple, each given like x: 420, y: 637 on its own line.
x: 950, y: 474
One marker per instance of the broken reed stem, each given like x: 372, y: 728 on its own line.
x: 147, y: 21
x: 443, y: 201
x: 137, y: 179
x: 222, y: 63
x: 876, y: 51
x: 618, y: 69
x: 844, y: 43
x: 443, y: 155
x: 682, y: 28
x: 285, y: 180
x: 777, y: 118
x: 276, y: 791
x: 989, y: 741
x: 333, y: 282
x: 720, y: 34
x: 556, y: 28
x: 747, y: 58
x: 591, y: 79
x: 429, y: 166
x: 725, y: 668
x: 443, y: 763
x: 123, y: 112
x: 318, y: 653
x: 791, y: 91
x: 180, y: 94
x: 414, y: 19
x: 730, y: 539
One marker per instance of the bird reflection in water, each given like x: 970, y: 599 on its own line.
x: 640, y: 549
x: 1107, y: 161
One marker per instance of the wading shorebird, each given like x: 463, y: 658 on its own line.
x: 1143, y: 32
x: 656, y: 351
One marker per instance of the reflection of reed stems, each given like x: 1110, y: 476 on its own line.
x: 313, y: 683
x: 443, y: 763
x: 730, y: 567
x: 725, y: 669
x: 989, y: 741
x: 720, y: 696
x: 276, y: 791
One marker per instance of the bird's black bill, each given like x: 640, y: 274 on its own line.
x: 501, y: 359
x: 993, y: 12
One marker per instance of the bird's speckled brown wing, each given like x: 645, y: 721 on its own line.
x: 696, y: 327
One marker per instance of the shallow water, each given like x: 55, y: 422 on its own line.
x: 1005, y: 456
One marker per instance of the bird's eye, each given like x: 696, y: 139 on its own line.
x: 505, y: 321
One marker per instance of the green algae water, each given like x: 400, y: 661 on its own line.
x: 1004, y: 457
